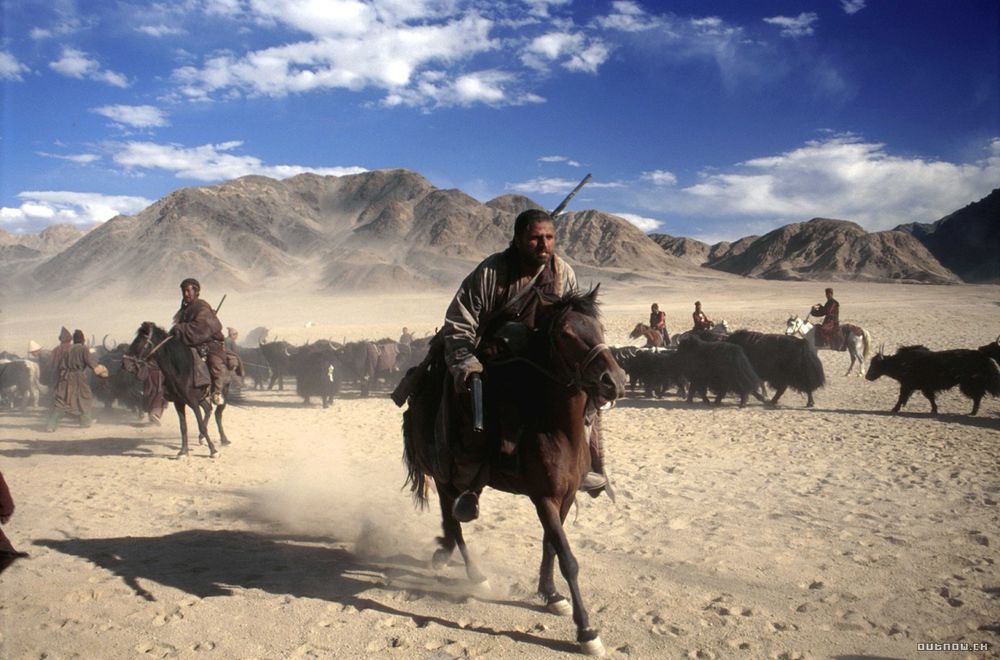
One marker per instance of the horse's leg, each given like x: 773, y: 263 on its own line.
x: 904, y: 396
x: 778, y: 391
x: 202, y: 411
x: 223, y: 440
x: 551, y: 518
x: 452, y: 537
x: 182, y: 417
x: 555, y: 602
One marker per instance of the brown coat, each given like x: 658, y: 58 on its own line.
x: 72, y: 394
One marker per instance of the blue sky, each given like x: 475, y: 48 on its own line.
x: 713, y: 119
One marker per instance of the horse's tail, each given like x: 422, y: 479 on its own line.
x: 866, y: 336
x: 416, y: 478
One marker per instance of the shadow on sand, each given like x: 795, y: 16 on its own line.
x: 215, y: 563
x: 109, y: 446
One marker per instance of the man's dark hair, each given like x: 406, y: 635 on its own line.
x: 523, y: 220
x: 193, y: 282
x: 78, y: 337
x: 829, y: 290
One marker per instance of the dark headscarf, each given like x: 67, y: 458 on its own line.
x: 78, y: 337
x: 64, y: 336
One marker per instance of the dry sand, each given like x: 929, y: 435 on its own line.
x: 834, y: 532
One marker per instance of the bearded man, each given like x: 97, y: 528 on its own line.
x: 198, y: 327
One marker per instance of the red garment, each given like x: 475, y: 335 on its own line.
x: 828, y: 334
x: 701, y: 322
x: 658, y: 320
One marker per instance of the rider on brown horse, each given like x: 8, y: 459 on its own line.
x: 198, y: 327
x: 506, y: 286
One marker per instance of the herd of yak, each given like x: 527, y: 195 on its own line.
x: 741, y: 363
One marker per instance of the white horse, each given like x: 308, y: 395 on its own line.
x: 857, y: 340
x: 721, y: 328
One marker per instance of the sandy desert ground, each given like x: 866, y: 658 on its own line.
x: 841, y: 531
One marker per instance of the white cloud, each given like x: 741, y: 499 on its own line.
x: 560, y: 159
x: 628, y: 16
x: 852, y: 6
x: 645, y: 224
x: 10, y: 68
x: 40, y: 33
x: 842, y: 177
x: 42, y: 208
x: 80, y: 159
x: 360, y: 45
x: 660, y: 177
x: 210, y: 162
x: 77, y: 64
x: 795, y: 26
x: 491, y: 87
x: 548, y: 185
x: 159, y: 30
x: 136, y: 116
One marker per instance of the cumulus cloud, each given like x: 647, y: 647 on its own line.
x: 844, y: 177
x: 560, y: 159
x: 159, y: 30
x: 573, y: 51
x: 80, y: 159
x: 660, y: 177
x: 10, y: 68
x: 77, y: 64
x: 42, y: 208
x: 852, y: 6
x: 645, y: 224
x: 795, y: 26
x: 628, y: 16
x: 210, y: 162
x: 549, y: 185
x: 136, y: 116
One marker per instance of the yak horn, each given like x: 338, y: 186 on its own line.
x: 104, y: 343
x: 998, y: 339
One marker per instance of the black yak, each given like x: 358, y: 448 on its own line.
x: 657, y: 370
x: 992, y: 350
x: 313, y: 368
x: 782, y: 362
x: 718, y: 366
x: 278, y: 355
x: 919, y: 368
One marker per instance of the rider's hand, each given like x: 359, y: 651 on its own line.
x: 463, y: 372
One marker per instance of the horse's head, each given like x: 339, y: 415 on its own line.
x: 578, y: 351
x: 638, y: 330
x: 142, y: 344
x: 793, y: 325
x: 723, y: 326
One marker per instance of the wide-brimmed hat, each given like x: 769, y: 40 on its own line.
x: 33, y: 346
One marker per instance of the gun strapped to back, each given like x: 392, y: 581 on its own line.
x: 562, y: 205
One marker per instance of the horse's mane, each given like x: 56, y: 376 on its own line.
x: 173, y: 352
x: 584, y: 302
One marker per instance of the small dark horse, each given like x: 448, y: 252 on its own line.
x: 654, y: 338
x: 564, y: 372
x: 177, y: 364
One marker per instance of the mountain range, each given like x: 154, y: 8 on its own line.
x: 393, y: 229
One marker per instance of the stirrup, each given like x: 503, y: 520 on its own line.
x: 466, y: 507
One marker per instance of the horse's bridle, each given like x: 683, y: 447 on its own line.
x: 572, y: 376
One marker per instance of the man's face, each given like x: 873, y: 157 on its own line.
x: 189, y: 293
x: 536, y: 242
x: 829, y: 295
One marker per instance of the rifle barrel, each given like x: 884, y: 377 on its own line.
x: 563, y: 204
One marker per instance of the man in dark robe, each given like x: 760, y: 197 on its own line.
x: 198, y: 327
x: 828, y: 333
x: 47, y: 373
x: 657, y: 319
x: 72, y: 391
x: 701, y: 322
x: 506, y: 285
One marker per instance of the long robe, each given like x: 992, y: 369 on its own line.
x: 198, y: 327
x: 828, y: 334
x: 72, y: 394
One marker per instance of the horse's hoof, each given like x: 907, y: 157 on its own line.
x: 560, y: 607
x: 225, y: 442
x: 440, y: 559
x: 182, y: 454
x: 214, y: 454
x: 593, y: 647
x: 482, y: 589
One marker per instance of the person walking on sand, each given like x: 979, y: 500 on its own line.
x: 72, y: 391
x: 8, y: 555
